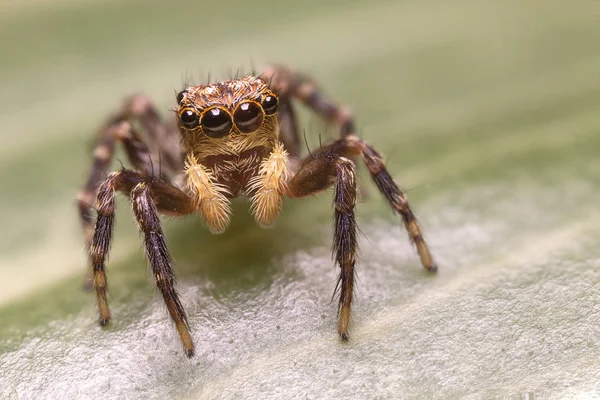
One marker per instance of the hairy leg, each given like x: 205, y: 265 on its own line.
x: 355, y: 146
x: 317, y: 174
x: 163, y: 136
x: 288, y: 83
x: 146, y: 215
x: 120, y: 128
x: 163, y: 197
x: 288, y: 127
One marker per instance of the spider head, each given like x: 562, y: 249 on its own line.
x: 227, y: 113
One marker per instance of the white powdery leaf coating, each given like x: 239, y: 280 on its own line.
x: 507, y: 315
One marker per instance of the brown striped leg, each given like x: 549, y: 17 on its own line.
x: 116, y: 130
x: 286, y: 82
x: 163, y: 137
x: 148, y: 194
x: 101, y: 238
x: 317, y: 174
x: 102, y: 233
x: 119, y: 129
x: 146, y: 215
x: 288, y: 127
x: 353, y: 145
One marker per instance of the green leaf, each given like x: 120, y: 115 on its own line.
x: 488, y: 115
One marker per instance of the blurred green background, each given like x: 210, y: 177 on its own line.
x: 488, y: 113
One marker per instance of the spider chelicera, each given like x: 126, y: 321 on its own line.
x: 236, y: 137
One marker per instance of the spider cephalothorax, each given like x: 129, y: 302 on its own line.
x: 229, y: 136
x: 236, y: 137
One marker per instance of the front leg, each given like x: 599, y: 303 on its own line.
x: 317, y: 174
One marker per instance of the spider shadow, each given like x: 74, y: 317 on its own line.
x: 245, y: 257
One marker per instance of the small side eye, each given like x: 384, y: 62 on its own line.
x: 248, y: 116
x: 270, y: 104
x: 189, y: 118
x: 180, y: 96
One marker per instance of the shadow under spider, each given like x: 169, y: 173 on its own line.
x: 245, y: 256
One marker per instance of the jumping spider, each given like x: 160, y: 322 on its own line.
x: 236, y: 137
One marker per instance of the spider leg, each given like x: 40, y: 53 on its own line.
x: 148, y: 195
x: 317, y: 174
x: 164, y: 136
x: 291, y: 83
x: 288, y: 83
x: 353, y: 145
x: 145, y: 211
x: 288, y: 127
x: 120, y: 129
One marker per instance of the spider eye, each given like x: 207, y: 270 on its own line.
x: 248, y: 117
x: 180, y: 96
x: 189, y: 119
x: 216, y: 122
x: 270, y: 104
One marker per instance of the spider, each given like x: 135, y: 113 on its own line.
x: 235, y: 137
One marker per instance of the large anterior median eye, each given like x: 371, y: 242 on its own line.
x: 248, y: 116
x: 216, y: 122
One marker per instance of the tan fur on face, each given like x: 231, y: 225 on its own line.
x: 205, y: 146
x: 227, y: 95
